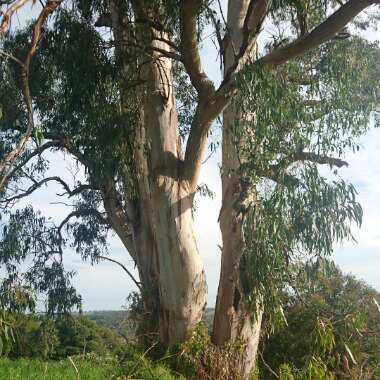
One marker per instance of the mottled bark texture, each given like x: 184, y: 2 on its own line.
x: 160, y: 223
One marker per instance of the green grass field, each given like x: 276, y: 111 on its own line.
x: 33, y: 369
x: 88, y: 369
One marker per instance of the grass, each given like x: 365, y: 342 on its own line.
x: 88, y: 369
x: 35, y: 369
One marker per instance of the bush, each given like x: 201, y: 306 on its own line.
x: 58, y: 338
x: 81, y: 335
x: 333, y: 329
x: 199, y: 359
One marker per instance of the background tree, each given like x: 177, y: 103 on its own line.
x: 124, y: 103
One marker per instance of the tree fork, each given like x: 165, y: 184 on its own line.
x: 171, y: 272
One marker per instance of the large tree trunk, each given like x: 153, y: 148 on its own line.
x: 233, y: 322
x: 171, y: 272
x: 167, y: 206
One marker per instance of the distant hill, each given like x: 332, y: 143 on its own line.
x: 118, y: 319
x: 114, y: 319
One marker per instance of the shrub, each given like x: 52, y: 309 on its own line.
x: 199, y: 359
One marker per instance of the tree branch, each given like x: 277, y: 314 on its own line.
x: 322, y: 33
x: 278, y: 173
x: 190, y: 49
x: 120, y: 218
x: 275, y: 174
x: 137, y: 283
x: 204, y: 116
x: 255, y: 15
x: 78, y: 214
x: 325, y: 31
x: 6, y: 17
x: 81, y: 213
x: 37, y: 185
x: 11, y: 157
x: 210, y: 106
x: 319, y: 159
x: 35, y: 152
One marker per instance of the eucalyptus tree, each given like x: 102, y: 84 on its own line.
x: 120, y: 86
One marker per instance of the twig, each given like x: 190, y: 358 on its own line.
x: 75, y: 367
x: 268, y: 366
x: 138, y: 284
x: 142, y: 357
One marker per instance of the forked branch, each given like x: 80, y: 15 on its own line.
x: 39, y: 184
x: 278, y: 172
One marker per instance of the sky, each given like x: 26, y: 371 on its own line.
x: 105, y: 286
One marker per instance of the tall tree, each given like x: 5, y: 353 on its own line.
x: 124, y: 103
x: 295, y: 110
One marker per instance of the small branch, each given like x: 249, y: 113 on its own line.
x: 81, y: 213
x: 75, y: 367
x: 219, y: 37
x: 33, y: 188
x: 36, y: 152
x: 37, y: 185
x: 78, y: 190
x: 168, y: 42
x: 281, y: 177
x: 268, y: 366
x: 278, y: 173
x: 138, y: 284
x: 148, y: 50
x: 12, y: 57
x: 167, y: 54
x: 322, y: 160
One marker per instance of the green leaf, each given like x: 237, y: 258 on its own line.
x: 376, y: 303
x: 39, y: 136
x: 350, y: 353
x: 6, y: 329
